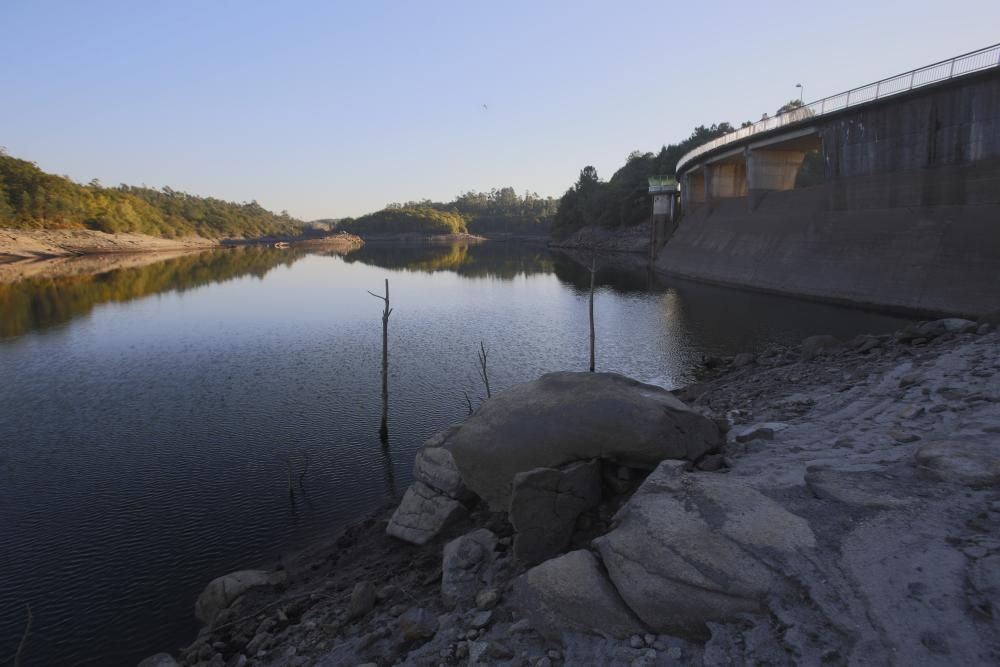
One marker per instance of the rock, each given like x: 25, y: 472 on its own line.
x: 763, y: 431
x: 984, y: 586
x: 423, y: 513
x: 565, y: 417
x: 362, y: 600
x: 693, y: 548
x: 481, y: 619
x: 971, y: 462
x: 620, y: 479
x: 930, y: 330
x: 991, y: 318
x: 571, y: 594
x: 544, y: 506
x: 435, y: 466
x: 221, y: 591
x: 903, y: 437
x: 477, y: 651
x: 466, y: 566
x: 487, y: 598
x: 259, y: 642
x: 159, y: 660
x: 816, y: 346
x: 870, y: 343
x: 397, y: 609
x: 387, y: 592
x: 861, y: 488
x: 418, y: 623
x: 635, y: 641
x: 984, y: 329
x: 744, y: 359
x: 520, y: 626
x: 711, y: 463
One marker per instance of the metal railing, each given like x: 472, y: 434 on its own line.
x: 962, y: 65
x: 662, y: 184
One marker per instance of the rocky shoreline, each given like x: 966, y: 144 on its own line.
x: 33, y: 244
x: 626, y: 239
x: 848, y: 513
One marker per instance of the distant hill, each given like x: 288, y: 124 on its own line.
x: 409, y: 220
x: 33, y: 199
x: 500, y: 211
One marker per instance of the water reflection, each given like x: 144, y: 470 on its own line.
x: 58, y: 296
x: 494, y: 260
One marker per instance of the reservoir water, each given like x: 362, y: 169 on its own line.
x: 149, y: 415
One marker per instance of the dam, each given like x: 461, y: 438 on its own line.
x: 887, y: 196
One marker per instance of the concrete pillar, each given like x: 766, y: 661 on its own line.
x: 693, y: 188
x: 773, y: 169
x: 728, y: 179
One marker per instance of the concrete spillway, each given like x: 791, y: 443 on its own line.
x: 890, y: 204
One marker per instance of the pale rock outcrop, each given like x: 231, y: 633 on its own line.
x: 435, y: 466
x: 221, y: 591
x: 693, y: 548
x: 816, y: 346
x: 565, y: 417
x: 973, y: 463
x: 545, y: 504
x: 423, y: 513
x: 433, y: 501
x: 864, y: 486
x: 571, y: 594
x: 466, y: 566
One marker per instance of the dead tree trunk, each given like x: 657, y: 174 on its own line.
x: 383, y: 431
x: 593, y: 272
x: 483, y: 372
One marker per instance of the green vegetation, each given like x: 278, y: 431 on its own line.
x: 39, y: 303
x: 408, y: 220
x: 499, y: 211
x: 505, y: 261
x: 624, y: 200
x: 33, y: 199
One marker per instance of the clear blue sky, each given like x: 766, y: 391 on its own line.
x: 329, y: 109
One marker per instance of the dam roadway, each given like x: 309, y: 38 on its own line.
x: 885, y: 196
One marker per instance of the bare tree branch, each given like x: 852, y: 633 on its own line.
x: 24, y: 638
x: 483, y: 372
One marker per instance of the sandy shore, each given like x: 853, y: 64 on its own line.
x: 18, y: 244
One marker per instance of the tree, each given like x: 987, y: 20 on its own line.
x: 791, y: 105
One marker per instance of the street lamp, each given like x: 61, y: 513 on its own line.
x: 802, y: 91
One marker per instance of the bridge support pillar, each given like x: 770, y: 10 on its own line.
x: 727, y: 179
x: 693, y: 189
x: 769, y: 170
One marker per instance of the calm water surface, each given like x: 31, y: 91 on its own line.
x: 148, y: 415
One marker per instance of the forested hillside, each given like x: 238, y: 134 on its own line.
x: 499, y: 211
x: 623, y: 200
x: 33, y: 199
x: 407, y: 220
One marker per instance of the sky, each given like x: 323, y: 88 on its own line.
x: 332, y: 109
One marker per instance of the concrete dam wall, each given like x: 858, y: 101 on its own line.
x: 902, y: 209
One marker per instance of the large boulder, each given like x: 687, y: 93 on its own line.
x: 467, y: 566
x: 433, y: 501
x: 692, y: 548
x: 566, y: 417
x: 435, y: 466
x: 571, y: 594
x: 423, y: 513
x: 545, y: 504
x: 222, y: 591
